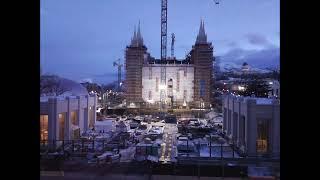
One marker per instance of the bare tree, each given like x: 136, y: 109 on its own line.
x: 52, y: 85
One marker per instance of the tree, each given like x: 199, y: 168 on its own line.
x: 52, y: 85
x: 255, y: 86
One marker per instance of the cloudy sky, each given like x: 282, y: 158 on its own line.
x: 81, y: 38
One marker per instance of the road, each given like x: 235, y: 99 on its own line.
x: 168, y: 147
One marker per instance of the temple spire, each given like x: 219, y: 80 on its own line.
x: 139, y: 36
x: 134, y: 38
x: 202, y: 37
x: 137, y: 39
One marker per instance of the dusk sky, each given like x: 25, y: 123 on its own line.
x: 81, y: 38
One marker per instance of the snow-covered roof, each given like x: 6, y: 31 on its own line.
x: 264, y: 101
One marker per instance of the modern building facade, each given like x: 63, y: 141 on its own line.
x: 188, y: 81
x: 253, y: 124
x: 65, y: 117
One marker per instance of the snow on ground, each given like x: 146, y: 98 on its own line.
x: 127, y: 154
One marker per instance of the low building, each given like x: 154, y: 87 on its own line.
x: 253, y: 124
x: 67, y: 116
x: 274, y: 86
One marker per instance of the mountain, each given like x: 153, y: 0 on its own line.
x: 233, y: 67
x: 262, y: 59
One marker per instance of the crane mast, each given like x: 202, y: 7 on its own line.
x: 164, y: 4
x: 172, y: 45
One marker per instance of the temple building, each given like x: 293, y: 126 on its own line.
x: 188, y: 81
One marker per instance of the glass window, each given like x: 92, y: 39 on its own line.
x: 61, y: 126
x: 91, y: 117
x: 74, y: 118
x: 262, y: 138
x: 242, y: 130
x: 43, y: 127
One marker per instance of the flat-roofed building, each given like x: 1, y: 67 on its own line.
x: 66, y: 116
x: 253, y: 124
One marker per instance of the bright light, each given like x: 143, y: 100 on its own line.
x: 270, y: 83
x: 99, y: 98
x: 184, y: 103
x: 120, y: 83
x: 224, y: 83
x: 241, y: 88
x: 151, y: 101
x: 162, y: 86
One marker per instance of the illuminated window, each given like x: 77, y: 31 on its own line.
x: 262, y: 138
x: 61, y: 126
x: 43, y: 127
x: 74, y: 118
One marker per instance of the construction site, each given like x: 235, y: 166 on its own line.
x: 160, y: 122
x: 167, y: 83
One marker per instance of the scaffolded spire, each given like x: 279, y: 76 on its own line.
x: 137, y: 39
x: 202, y: 37
x: 139, y: 36
x: 134, y: 38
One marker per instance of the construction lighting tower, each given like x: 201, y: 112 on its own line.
x: 164, y: 4
x: 172, y: 45
x: 115, y: 63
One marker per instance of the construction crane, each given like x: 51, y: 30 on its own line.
x: 172, y: 45
x: 115, y: 63
x: 163, y: 60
